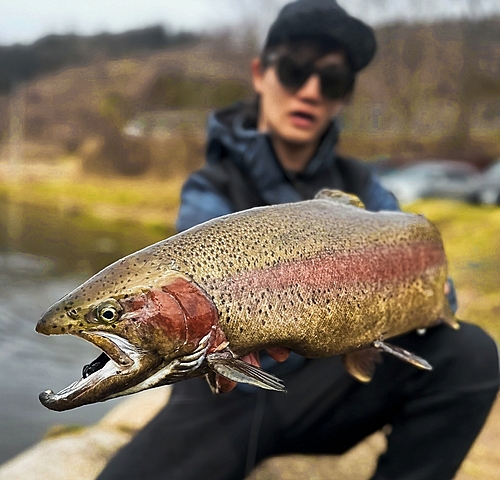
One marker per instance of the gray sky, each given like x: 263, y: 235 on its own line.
x: 26, y: 20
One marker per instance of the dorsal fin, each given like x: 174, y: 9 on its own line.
x: 339, y: 197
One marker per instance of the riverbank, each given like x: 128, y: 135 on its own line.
x: 81, y: 453
x: 150, y: 201
x: 472, y: 239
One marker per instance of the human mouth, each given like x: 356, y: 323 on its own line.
x: 302, y: 119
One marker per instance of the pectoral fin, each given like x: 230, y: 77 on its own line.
x: 240, y: 371
x: 402, y: 354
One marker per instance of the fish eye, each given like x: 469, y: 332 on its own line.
x: 108, y: 311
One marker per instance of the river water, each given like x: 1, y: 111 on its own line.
x: 43, y: 255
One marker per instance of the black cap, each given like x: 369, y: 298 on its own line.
x: 324, y: 19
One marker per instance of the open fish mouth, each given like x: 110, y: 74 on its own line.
x: 113, y: 373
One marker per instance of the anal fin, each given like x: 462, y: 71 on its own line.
x: 237, y: 370
x: 402, y: 354
x: 361, y: 363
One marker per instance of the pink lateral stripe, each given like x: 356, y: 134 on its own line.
x: 380, y: 265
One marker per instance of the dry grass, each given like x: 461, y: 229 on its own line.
x: 471, y: 235
x: 147, y: 200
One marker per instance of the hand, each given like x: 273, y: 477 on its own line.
x: 447, y: 287
x: 278, y: 353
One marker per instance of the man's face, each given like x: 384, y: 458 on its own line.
x: 298, y: 116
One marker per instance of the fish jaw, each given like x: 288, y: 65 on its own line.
x: 126, y: 365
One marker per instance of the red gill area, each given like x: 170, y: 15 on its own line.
x: 158, y: 310
x: 200, y: 314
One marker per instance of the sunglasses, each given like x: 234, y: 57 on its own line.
x: 336, y: 80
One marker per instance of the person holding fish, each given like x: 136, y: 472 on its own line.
x: 277, y: 149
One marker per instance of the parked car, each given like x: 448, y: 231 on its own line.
x: 487, y: 187
x: 436, y: 178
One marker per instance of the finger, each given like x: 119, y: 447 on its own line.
x: 278, y: 353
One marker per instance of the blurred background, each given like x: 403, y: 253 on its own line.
x: 102, y: 115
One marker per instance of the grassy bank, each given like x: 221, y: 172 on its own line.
x: 148, y: 201
x: 471, y: 235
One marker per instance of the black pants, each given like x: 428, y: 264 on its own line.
x: 435, y: 416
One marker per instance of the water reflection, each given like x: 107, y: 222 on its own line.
x: 43, y: 255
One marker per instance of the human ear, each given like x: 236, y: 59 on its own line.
x: 257, y: 73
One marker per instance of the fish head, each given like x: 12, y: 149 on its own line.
x: 151, y: 333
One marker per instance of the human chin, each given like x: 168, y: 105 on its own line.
x: 302, y: 130
x: 299, y: 136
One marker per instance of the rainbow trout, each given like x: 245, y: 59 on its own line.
x: 321, y: 277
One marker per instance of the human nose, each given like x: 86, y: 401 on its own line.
x: 311, y: 90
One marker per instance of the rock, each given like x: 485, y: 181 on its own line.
x: 82, y: 454
x: 132, y: 414
x: 70, y: 457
